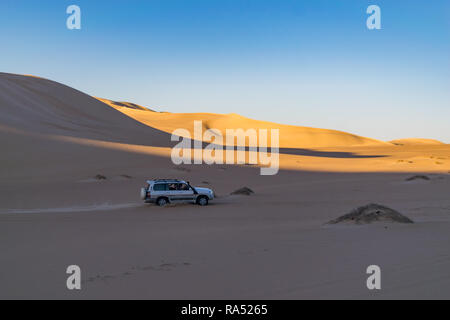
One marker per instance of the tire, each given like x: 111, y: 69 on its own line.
x: 162, y: 201
x: 202, y: 201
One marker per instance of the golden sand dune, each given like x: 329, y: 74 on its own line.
x: 290, y: 136
x: 47, y: 127
x: 416, y: 141
x: 311, y: 149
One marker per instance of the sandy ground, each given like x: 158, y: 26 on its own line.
x: 271, y: 245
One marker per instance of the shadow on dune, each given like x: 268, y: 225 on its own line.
x: 326, y: 154
x: 312, y: 153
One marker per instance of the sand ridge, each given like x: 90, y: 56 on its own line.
x: 290, y: 136
x: 416, y: 141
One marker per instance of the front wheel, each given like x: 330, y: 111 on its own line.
x: 202, y: 201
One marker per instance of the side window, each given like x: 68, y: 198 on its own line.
x: 172, y: 186
x: 160, y: 187
x: 183, y: 187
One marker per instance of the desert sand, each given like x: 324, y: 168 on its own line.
x: 272, y: 244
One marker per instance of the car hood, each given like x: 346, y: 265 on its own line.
x: 203, y: 190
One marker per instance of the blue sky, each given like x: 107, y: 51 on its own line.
x: 311, y: 63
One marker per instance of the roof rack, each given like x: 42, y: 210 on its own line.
x: 166, y: 180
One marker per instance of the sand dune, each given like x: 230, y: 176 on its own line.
x: 312, y: 149
x: 50, y: 131
x: 37, y: 105
x: 45, y: 120
x: 290, y: 136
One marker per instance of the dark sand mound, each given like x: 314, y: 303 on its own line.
x: 372, y: 213
x: 243, y: 191
x: 418, y: 177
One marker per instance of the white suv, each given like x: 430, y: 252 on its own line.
x: 164, y: 191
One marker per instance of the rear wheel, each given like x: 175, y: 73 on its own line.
x: 202, y: 201
x: 162, y: 202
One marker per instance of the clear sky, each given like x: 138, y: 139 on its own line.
x: 302, y: 62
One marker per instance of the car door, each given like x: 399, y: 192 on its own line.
x: 184, y: 192
x: 172, y: 192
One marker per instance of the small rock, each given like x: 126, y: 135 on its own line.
x: 244, y: 191
x: 418, y: 177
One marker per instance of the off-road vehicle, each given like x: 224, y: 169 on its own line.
x: 165, y: 191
